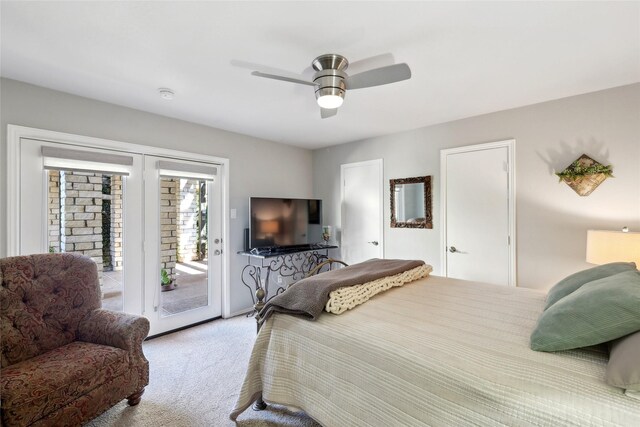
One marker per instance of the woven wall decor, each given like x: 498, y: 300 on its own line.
x: 585, y: 175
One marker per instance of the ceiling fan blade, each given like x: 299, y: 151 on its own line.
x: 370, y: 63
x: 328, y: 112
x: 283, y: 78
x: 379, y: 76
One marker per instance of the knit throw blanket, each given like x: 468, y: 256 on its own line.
x: 308, y: 297
x: 348, y: 297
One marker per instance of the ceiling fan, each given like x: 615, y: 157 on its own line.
x: 331, y: 81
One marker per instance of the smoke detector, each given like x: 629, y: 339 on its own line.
x: 166, y: 93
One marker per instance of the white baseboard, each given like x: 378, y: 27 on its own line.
x: 239, y: 312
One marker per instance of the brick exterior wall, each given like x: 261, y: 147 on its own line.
x: 81, y: 219
x: 75, y: 215
x: 178, y: 222
x: 188, y: 220
x: 169, y: 190
x: 75, y: 218
x: 116, y: 222
x: 53, y: 210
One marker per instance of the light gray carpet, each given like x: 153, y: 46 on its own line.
x: 195, y: 378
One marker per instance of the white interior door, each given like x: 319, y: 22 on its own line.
x: 362, y: 219
x: 478, y: 213
x: 183, y: 238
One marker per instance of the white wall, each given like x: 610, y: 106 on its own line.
x: 551, y: 219
x: 257, y: 167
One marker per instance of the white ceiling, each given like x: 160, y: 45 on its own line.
x: 467, y: 58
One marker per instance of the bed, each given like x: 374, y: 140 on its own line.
x: 437, y: 351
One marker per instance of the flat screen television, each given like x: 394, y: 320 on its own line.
x: 284, y: 222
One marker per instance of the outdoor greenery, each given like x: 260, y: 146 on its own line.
x: 201, y: 221
x: 165, y: 279
x: 106, y: 224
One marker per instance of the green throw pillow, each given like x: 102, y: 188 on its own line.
x: 598, y: 312
x: 571, y: 283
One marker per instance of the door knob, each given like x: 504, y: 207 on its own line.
x: 217, y: 252
x: 453, y: 249
x: 374, y: 243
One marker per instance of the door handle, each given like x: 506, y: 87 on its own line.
x: 374, y: 243
x: 217, y: 252
x: 453, y: 249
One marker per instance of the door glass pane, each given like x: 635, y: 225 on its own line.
x: 84, y: 216
x: 183, y: 245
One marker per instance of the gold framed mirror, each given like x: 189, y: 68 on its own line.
x: 411, y: 202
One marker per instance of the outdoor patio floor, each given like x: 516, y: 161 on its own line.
x: 190, y: 292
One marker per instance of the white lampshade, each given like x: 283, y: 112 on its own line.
x: 605, y: 246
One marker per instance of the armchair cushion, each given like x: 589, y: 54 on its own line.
x: 43, y: 384
x: 42, y: 300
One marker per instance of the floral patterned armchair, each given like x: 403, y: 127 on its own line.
x: 64, y: 359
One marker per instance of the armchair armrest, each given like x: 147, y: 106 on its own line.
x: 121, y: 330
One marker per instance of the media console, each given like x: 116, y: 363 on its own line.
x: 269, y: 267
x: 272, y: 251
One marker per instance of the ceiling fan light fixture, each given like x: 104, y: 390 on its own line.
x: 330, y: 97
x: 330, y: 101
x: 331, y: 81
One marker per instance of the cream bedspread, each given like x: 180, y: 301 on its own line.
x: 437, y: 352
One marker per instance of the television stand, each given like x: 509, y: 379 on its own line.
x: 274, y: 266
x: 272, y: 251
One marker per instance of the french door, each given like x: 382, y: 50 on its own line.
x: 152, y: 224
x: 62, y: 198
x: 183, y: 242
